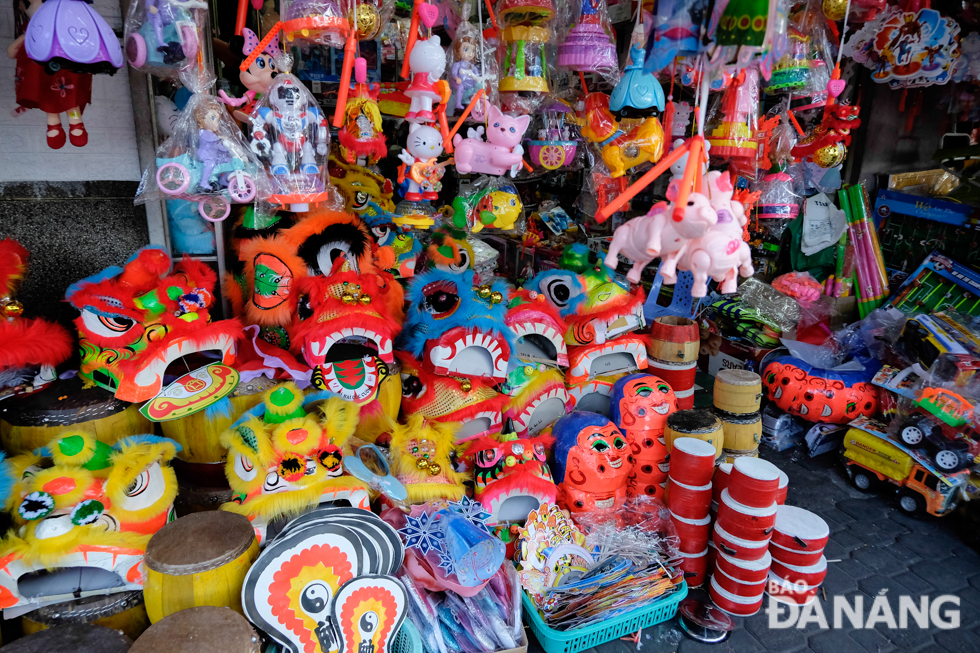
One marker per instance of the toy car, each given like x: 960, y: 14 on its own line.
x: 945, y: 422
x: 181, y: 176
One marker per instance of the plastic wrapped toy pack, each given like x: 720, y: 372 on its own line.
x: 163, y: 37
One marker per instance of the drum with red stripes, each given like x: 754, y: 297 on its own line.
x: 783, y: 590
x: 680, y: 377
x: 720, y: 480
x: 783, y: 488
x: 688, y: 501
x: 695, y: 566
x: 738, y: 587
x: 793, y: 556
x: 747, y: 571
x: 738, y: 547
x: 692, y: 461
x: 810, y: 575
x: 745, y: 521
x: 753, y: 482
x: 693, y: 533
x: 800, y: 530
x: 739, y: 606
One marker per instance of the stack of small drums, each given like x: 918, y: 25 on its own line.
x: 746, y: 518
x: 737, y: 395
x: 798, y: 563
x: 699, y: 424
x: 672, y: 354
x: 688, y: 498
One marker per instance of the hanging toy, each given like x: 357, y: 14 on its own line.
x: 555, y: 146
x: 257, y: 70
x: 620, y: 151
x: 677, y: 28
x: 735, y: 138
x: 827, y: 145
x: 495, y: 204
x: 362, y: 140
x: 315, y: 21
x: 523, y: 41
x: 70, y: 34
x: 428, y: 62
x: 65, y: 92
x: 793, y: 70
x: 502, y: 150
x: 589, y: 46
x: 290, y: 135
x: 638, y: 93
x: 162, y: 36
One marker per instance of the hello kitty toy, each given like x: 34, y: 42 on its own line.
x: 502, y: 150
x: 291, y: 137
x: 427, y: 61
x: 421, y: 168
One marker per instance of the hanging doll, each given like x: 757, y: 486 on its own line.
x: 259, y: 75
x: 464, y: 76
x: 64, y: 92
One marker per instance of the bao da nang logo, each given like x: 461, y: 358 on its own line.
x: 861, y: 611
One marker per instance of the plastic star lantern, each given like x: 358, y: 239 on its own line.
x: 423, y: 534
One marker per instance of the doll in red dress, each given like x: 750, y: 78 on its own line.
x: 63, y: 92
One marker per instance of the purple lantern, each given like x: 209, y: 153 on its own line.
x: 71, y: 34
x: 588, y: 47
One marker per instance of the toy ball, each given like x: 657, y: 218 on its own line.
x: 830, y: 156
x: 835, y: 9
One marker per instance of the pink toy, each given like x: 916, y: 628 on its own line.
x: 427, y: 61
x: 677, y: 238
x: 258, y: 76
x: 502, y: 150
x: 731, y: 214
x: 719, y: 256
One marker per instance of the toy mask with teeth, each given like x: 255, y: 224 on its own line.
x: 538, y: 402
x: 821, y: 395
x: 595, y: 306
x: 344, y: 330
x: 85, y: 512
x: 538, y: 328
x: 627, y: 353
x: 31, y: 347
x: 456, y: 328
x: 472, y: 404
x: 512, y: 476
x: 283, y: 461
x: 424, y: 454
x: 592, y: 463
x: 138, y: 319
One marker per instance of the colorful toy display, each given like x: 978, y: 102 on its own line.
x: 512, y: 475
x: 821, y: 395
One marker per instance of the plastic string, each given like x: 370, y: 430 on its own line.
x: 843, y: 33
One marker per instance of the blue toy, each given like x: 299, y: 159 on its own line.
x: 638, y: 93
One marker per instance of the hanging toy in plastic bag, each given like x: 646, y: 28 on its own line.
x: 205, y: 160
x: 734, y: 139
x: 620, y: 151
x: 291, y: 137
x: 778, y: 199
x: 523, y: 40
x: 793, y: 69
x: 361, y: 139
x: 555, y: 146
x: 258, y: 69
x: 315, y: 21
x: 827, y: 145
x: 471, y: 69
x: 500, y: 153
x: 71, y: 35
x: 677, y: 28
x: 494, y: 203
x: 638, y: 93
x: 421, y: 166
x: 590, y: 46
x: 162, y: 36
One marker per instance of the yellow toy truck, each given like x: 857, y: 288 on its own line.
x: 874, y: 462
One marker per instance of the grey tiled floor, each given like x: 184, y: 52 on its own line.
x: 873, y: 547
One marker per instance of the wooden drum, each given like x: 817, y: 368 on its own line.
x: 74, y: 638
x: 124, y: 611
x: 200, y: 630
x: 738, y: 392
x: 743, y: 433
x: 198, y: 560
x: 674, y: 340
x: 32, y: 421
x: 699, y: 424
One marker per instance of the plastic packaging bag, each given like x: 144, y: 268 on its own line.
x: 292, y: 139
x: 733, y: 122
x: 315, y: 21
x: 523, y: 45
x: 163, y: 37
x: 205, y: 160
x: 472, y: 65
x: 590, y: 45
x: 492, y: 203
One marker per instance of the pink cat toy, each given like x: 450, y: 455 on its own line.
x: 502, y: 150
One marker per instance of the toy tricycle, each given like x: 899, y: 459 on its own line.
x: 168, y: 37
x: 181, y: 176
x: 945, y: 422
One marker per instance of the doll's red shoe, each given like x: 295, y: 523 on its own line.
x: 430, y: 196
x: 78, y: 140
x: 56, y: 141
x: 413, y: 197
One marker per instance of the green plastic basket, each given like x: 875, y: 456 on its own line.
x: 570, y: 641
x: 407, y: 640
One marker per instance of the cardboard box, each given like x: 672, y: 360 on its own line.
x: 721, y: 353
x: 522, y: 648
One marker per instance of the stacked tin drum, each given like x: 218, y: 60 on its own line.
x: 746, y: 518
x: 672, y: 354
x: 692, y: 463
x: 796, y: 548
x: 737, y: 394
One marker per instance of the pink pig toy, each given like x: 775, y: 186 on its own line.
x: 677, y: 238
x: 731, y: 214
x: 502, y: 150
x: 719, y: 256
x: 633, y: 239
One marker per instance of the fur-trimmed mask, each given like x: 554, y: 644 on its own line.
x: 80, y: 504
x: 137, y: 319
x: 538, y: 327
x: 511, y: 475
x: 457, y: 328
x: 284, y: 461
x: 32, y: 347
x: 472, y: 404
